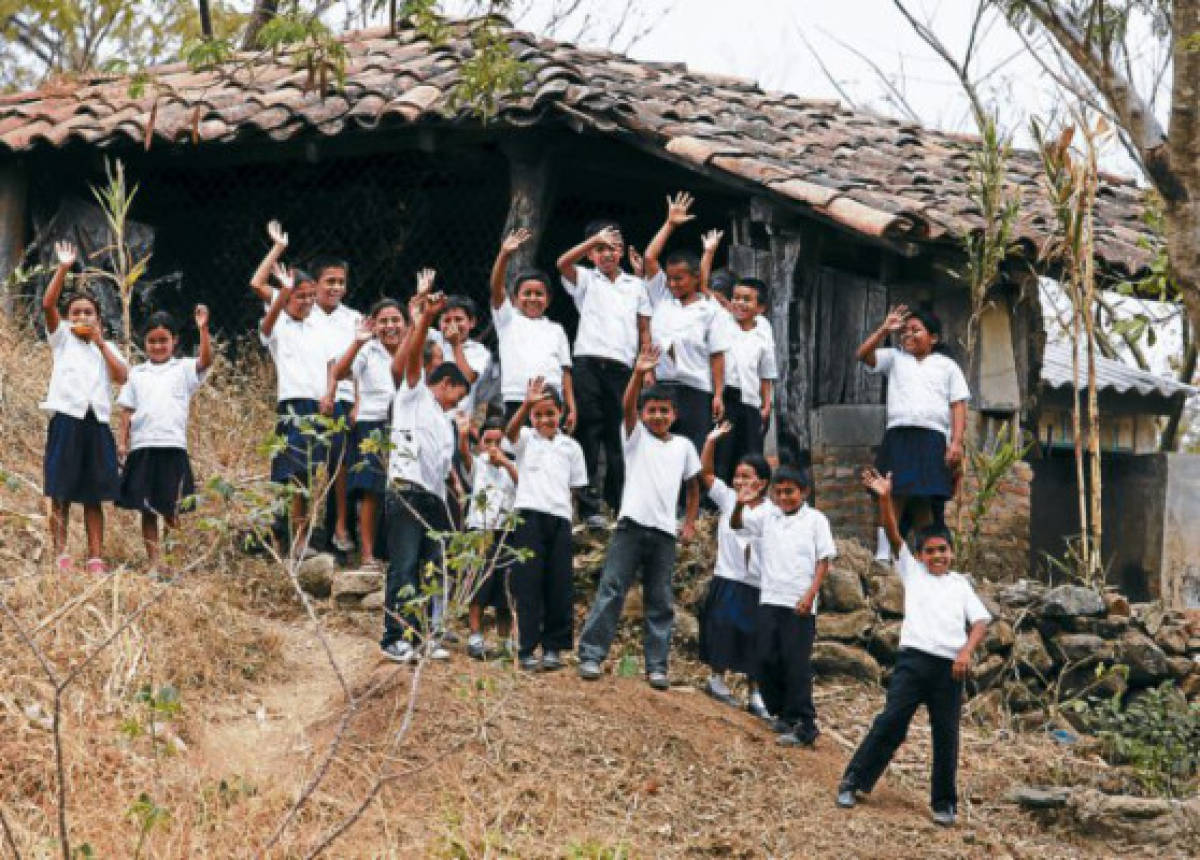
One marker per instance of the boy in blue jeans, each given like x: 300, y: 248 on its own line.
x: 656, y: 463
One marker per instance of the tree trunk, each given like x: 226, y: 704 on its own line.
x: 13, y: 195
x: 264, y: 11
x: 205, y: 19
x: 530, y: 192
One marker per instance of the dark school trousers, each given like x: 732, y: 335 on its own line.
x: 542, y: 585
x: 783, y: 664
x: 918, y: 678
x: 693, y: 412
x: 599, y: 388
x: 746, y: 437
x: 635, y: 551
x: 411, y: 514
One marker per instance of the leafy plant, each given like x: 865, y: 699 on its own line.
x: 148, y: 815
x: 989, y: 465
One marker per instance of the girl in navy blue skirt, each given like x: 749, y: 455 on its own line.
x: 731, y: 604
x: 157, y: 475
x: 81, y: 457
x: 926, y: 417
x: 370, y: 360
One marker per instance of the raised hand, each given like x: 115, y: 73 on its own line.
x: 711, y: 240
x: 496, y: 456
x: 535, y: 390
x: 425, y: 279
x: 454, y: 333
x: 275, y: 230
x: 724, y: 428
x: 636, y: 264
x: 895, y: 318
x: 284, y: 275
x: 200, y: 315
x: 679, y: 209
x: 364, y: 330
x: 880, y: 485
x: 66, y: 254
x: 514, y: 240
x: 608, y: 236
x: 648, y: 359
x: 435, y: 303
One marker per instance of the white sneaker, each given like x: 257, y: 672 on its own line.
x: 476, y: 647
x: 757, y: 706
x: 883, y: 548
x: 437, y: 651
x: 398, y: 652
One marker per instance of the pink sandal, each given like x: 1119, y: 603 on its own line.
x: 96, y: 566
x: 64, y: 563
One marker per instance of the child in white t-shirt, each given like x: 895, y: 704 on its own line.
x: 926, y: 417
x: 531, y: 346
x: 944, y: 623
x: 731, y: 604
x: 796, y: 546
x: 644, y: 545
x: 550, y: 465
x: 454, y: 337
x: 157, y: 474
x: 493, y: 476
x: 80, y: 465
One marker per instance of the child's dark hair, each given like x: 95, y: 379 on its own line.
x: 551, y: 393
x: 722, y: 281
x: 532, y: 275
x: 686, y: 258
x: 758, y: 285
x: 466, y: 304
x: 757, y: 462
x: 301, y: 276
x: 797, y: 475
x: 321, y: 263
x: 449, y: 372
x: 384, y: 304
x: 595, y: 226
x: 160, y: 319
x: 933, y: 325
x: 656, y: 392
x: 496, y: 422
x: 929, y: 532
x: 79, y: 295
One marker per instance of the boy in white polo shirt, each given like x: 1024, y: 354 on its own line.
x: 531, y: 345
x: 614, y: 323
x: 423, y: 441
x: 453, y: 335
x: 795, y: 547
x: 644, y: 543
x: 944, y: 622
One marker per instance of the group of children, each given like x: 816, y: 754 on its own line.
x: 669, y: 384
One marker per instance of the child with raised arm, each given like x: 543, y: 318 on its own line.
x: 614, y: 322
x: 550, y: 465
x: 157, y: 474
x: 80, y: 465
x: 927, y: 398
x: 944, y: 622
x: 453, y: 335
x: 531, y: 345
x: 368, y: 362
x: 691, y: 331
x: 796, y: 546
x: 657, y: 464
x: 731, y: 604
x: 423, y: 441
x: 301, y: 354
x: 493, y: 477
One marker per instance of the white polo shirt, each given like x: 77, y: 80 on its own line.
x: 159, y: 395
x: 938, y: 610
x: 738, y: 556
x: 340, y: 327
x: 920, y: 391
x: 791, y: 546
x: 479, y: 359
x: 547, y: 470
x: 529, y: 348
x: 654, y: 470
x: 301, y: 353
x: 79, y: 378
x: 372, y: 372
x: 689, y: 335
x: 422, y: 440
x: 492, y: 494
x: 749, y: 360
x: 608, y: 314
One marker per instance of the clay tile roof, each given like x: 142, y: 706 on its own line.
x: 872, y: 174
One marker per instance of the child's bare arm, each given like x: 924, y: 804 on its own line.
x: 716, y: 364
x: 678, y: 214
x: 458, y: 340
x: 962, y: 661
x: 691, y: 509
x: 123, y: 430
x: 881, y: 486
x: 508, y: 247
x: 412, y: 361
x: 958, y: 429
x: 259, y: 280
x: 566, y: 263
x: 363, y: 332
x: 204, y: 358
x: 464, y: 444
x: 534, y: 391
x: 892, y: 323
x: 805, y: 604
x: 708, y: 455
x: 647, y: 360
x: 286, y: 283
x: 66, y: 254
x: 710, y: 241
x: 766, y: 391
x: 568, y: 383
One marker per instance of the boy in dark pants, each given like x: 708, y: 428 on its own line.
x: 935, y: 656
x: 656, y: 463
x: 795, y: 545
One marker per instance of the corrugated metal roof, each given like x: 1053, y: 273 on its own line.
x: 1110, y: 375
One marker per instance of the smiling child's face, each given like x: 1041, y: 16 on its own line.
x: 532, y: 298
x: 331, y: 287
x: 682, y: 281
x: 915, y: 338
x: 937, y: 555
x: 390, y: 327
x: 82, y: 311
x: 160, y: 345
x: 607, y: 258
x: 300, y: 302
x: 744, y: 302
x: 789, y: 496
x: 658, y: 416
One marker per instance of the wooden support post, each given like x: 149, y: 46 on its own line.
x: 530, y: 193
x: 13, y: 199
x: 791, y: 321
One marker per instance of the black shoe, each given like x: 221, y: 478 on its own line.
x: 531, y: 663
x: 781, y: 726
x: 798, y: 737
x: 551, y: 661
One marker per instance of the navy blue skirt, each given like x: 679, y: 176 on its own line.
x: 727, y: 625
x: 81, y: 460
x: 156, y: 480
x: 304, y: 450
x: 916, y: 457
x: 368, y: 469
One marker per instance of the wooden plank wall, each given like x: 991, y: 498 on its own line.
x: 847, y: 308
